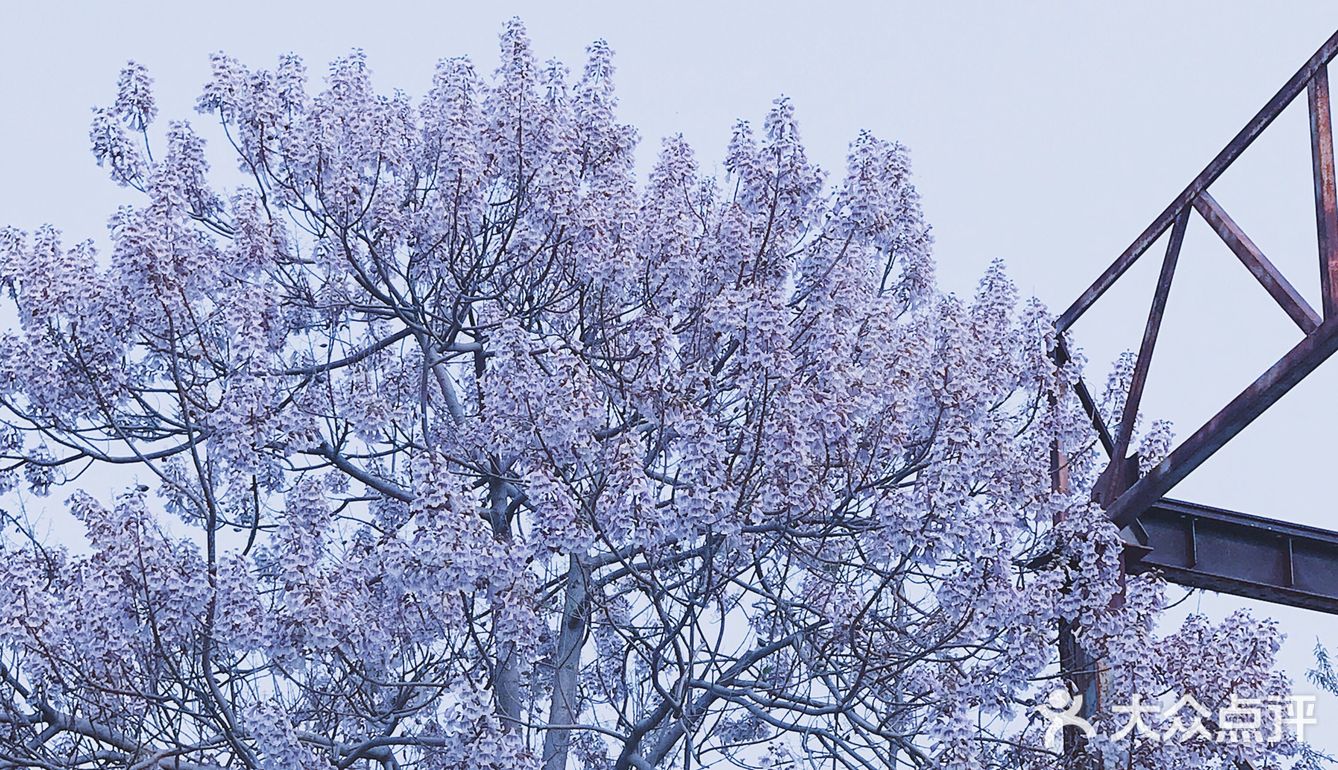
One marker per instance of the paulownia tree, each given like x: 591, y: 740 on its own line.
x: 446, y: 442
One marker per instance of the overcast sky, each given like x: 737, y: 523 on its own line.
x: 1046, y: 134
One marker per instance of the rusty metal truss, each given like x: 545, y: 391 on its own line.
x: 1196, y: 545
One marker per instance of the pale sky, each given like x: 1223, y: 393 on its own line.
x: 1047, y: 134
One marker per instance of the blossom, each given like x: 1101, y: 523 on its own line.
x: 444, y: 440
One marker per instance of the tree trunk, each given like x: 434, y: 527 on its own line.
x: 564, y: 709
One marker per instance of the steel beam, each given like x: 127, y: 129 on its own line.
x: 1200, y: 546
x: 1150, y: 331
x: 1300, y: 361
x: 1298, y: 83
x: 1103, y: 434
x: 1268, y: 276
x: 1326, y: 201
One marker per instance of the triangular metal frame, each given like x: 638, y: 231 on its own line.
x: 1197, y: 545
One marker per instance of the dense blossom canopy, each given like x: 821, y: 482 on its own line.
x: 446, y: 441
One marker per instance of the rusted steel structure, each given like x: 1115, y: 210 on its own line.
x: 1196, y: 545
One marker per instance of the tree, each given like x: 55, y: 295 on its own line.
x: 447, y: 443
